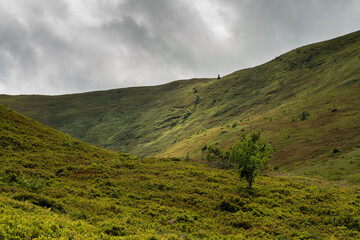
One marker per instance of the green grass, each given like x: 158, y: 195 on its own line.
x: 179, y: 118
x: 54, y: 186
x: 340, y: 167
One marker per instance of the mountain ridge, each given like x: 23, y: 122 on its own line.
x: 181, y: 117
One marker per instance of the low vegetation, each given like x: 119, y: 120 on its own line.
x: 54, y: 186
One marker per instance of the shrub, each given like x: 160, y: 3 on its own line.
x: 115, y: 231
x: 33, y: 183
x: 41, y: 201
x: 187, y: 114
x: 228, y: 206
x: 335, y: 150
x: 241, y: 224
x: 187, y: 158
x: 304, y: 115
x: 197, y: 100
x: 216, y: 158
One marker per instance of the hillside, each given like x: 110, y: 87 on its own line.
x: 54, y: 186
x: 306, y: 101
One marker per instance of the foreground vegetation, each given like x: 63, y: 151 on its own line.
x: 54, y: 186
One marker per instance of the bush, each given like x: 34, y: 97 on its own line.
x: 41, y: 201
x: 335, y: 150
x: 227, y: 206
x: 115, y: 231
x: 304, y: 115
x: 187, y: 114
x: 241, y: 224
x: 33, y: 183
x: 197, y: 100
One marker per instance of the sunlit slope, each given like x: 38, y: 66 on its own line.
x: 54, y: 186
x: 179, y: 118
x: 320, y: 80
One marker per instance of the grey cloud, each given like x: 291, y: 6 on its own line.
x: 53, y: 46
x: 273, y: 27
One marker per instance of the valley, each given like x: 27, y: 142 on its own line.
x: 130, y: 163
x: 178, y: 119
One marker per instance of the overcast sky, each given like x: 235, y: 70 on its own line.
x: 69, y: 46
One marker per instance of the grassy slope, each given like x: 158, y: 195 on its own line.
x: 179, y: 118
x: 54, y: 186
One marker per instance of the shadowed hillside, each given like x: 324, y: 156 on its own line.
x: 306, y: 101
x: 54, y: 186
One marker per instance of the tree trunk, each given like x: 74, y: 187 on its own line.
x: 250, y: 183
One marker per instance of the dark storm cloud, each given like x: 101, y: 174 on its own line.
x: 54, y: 46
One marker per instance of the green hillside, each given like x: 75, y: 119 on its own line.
x: 306, y: 101
x: 54, y: 186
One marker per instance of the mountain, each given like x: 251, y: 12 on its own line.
x: 53, y: 186
x: 306, y: 102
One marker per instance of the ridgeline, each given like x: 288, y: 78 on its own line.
x: 306, y: 102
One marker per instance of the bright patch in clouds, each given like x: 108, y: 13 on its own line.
x: 216, y: 16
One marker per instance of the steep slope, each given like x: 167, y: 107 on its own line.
x: 180, y: 118
x: 54, y: 186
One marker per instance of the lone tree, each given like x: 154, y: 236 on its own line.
x: 250, y: 156
x: 218, y: 77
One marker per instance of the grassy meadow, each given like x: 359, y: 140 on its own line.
x: 54, y: 186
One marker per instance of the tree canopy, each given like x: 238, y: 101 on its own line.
x: 249, y: 155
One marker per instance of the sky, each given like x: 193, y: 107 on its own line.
x: 68, y: 46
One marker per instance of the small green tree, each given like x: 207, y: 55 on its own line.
x: 250, y: 155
